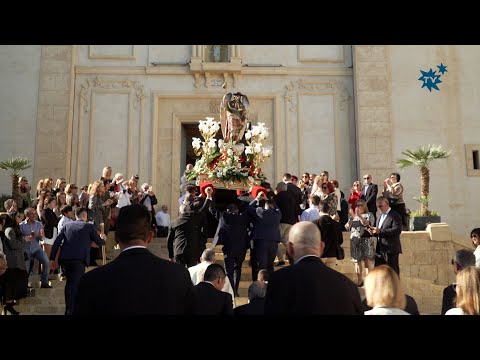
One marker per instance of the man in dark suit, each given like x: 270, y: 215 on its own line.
x: 309, y: 287
x: 266, y: 233
x: 232, y: 234
x: 136, y: 282
x: 288, y: 204
x: 209, y: 297
x: 75, y: 240
x: 183, y: 241
x: 388, y: 229
x: 369, y: 194
x: 294, y: 189
x: 462, y: 259
x: 256, y: 300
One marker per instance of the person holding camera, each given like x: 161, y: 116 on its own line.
x: 362, y: 243
x: 393, y: 190
x: 148, y: 199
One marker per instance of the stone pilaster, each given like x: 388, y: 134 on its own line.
x: 372, y: 89
x: 54, y: 113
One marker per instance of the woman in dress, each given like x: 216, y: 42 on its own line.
x: 361, y: 242
x: 331, y: 199
x: 14, y: 281
x: 393, y: 190
x: 50, y: 223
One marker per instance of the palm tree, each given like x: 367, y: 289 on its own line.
x: 421, y: 158
x: 15, y: 165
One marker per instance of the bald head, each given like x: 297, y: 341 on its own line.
x: 304, y: 239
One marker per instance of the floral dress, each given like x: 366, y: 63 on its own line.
x: 361, y: 242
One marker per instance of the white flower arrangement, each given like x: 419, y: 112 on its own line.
x: 232, y: 164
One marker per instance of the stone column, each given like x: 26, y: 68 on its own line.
x: 373, y: 108
x: 54, y: 114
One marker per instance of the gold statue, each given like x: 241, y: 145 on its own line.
x: 234, y: 115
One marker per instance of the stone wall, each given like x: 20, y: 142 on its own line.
x: 54, y: 113
x: 19, y: 74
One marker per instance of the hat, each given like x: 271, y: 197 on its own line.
x: 204, y: 185
x: 257, y: 189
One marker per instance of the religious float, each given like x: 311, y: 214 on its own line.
x: 230, y: 163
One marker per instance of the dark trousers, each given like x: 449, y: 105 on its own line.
x: 185, y: 259
x: 254, y: 264
x: 233, y: 268
x: 162, y: 231
x: 74, y: 270
x: 266, y: 253
x: 389, y: 259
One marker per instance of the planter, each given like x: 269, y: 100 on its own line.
x: 420, y: 223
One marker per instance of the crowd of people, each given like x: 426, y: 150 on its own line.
x: 300, y: 222
x: 29, y: 228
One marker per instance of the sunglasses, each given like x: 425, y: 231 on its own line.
x: 452, y: 262
x: 365, y: 178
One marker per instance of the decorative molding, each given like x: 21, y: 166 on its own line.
x: 83, y: 94
x: 186, y: 70
x: 122, y: 84
x: 215, y: 106
x: 291, y: 95
x: 343, y: 96
x: 197, y: 80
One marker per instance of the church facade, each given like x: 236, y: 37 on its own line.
x: 350, y: 110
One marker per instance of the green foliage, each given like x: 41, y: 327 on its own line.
x: 417, y: 213
x: 422, y: 156
x: 424, y: 200
x: 16, y: 164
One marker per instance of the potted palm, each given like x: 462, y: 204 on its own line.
x: 15, y: 165
x: 421, y: 159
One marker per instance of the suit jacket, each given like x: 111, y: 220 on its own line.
x: 231, y: 231
x: 297, y: 193
x: 370, y: 197
x: 266, y: 223
x: 311, y: 288
x: 75, y: 240
x: 210, y: 301
x: 288, y: 205
x: 331, y: 235
x: 184, y: 235
x: 448, y: 300
x: 389, y: 237
x: 254, y: 307
x: 136, y: 283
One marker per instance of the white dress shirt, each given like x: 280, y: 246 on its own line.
x: 163, y: 219
x: 198, y: 271
x: 382, y: 218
